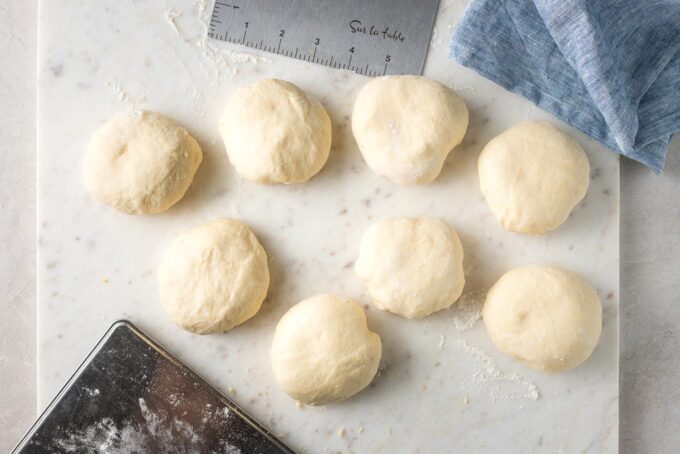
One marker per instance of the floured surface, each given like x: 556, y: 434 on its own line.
x: 441, y: 382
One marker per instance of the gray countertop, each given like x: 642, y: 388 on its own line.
x: 650, y: 265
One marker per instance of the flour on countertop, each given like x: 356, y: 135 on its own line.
x: 123, y: 96
x: 218, y: 57
x: 201, y: 6
x: 170, y: 15
x: 489, y: 373
x: 468, y: 310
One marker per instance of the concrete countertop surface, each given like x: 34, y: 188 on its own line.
x: 650, y: 264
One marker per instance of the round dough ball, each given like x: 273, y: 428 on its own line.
x: 412, y: 267
x: 275, y: 133
x: 547, y: 318
x: 532, y: 176
x: 405, y: 126
x: 322, y: 350
x: 213, y: 277
x: 140, y: 162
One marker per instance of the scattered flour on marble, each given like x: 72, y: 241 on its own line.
x: 201, y: 6
x: 157, y: 431
x: 489, y: 374
x: 123, y: 96
x: 468, y: 310
x: 171, y: 15
x: 442, y: 341
x: 449, y: 13
x: 218, y: 57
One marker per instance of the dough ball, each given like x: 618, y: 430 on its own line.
x: 532, y: 176
x: 547, y: 318
x: 213, y: 277
x: 412, y: 267
x: 275, y: 133
x: 405, y: 126
x: 323, y: 351
x: 140, y: 162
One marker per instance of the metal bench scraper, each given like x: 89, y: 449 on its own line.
x: 131, y: 396
x: 373, y: 38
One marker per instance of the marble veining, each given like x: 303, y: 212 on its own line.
x: 441, y: 383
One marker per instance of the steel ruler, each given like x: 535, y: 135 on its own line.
x: 370, y: 37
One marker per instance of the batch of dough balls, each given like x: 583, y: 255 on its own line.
x: 214, y: 276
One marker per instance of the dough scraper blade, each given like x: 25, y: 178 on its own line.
x: 131, y: 396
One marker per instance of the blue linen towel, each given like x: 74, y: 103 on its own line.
x: 610, y: 68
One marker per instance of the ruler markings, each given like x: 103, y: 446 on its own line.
x: 391, y: 36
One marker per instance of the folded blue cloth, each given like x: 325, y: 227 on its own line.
x: 610, y: 68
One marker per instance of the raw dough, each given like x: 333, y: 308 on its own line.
x: 405, y: 126
x: 140, y: 162
x: 412, y: 267
x: 532, y: 176
x: 275, y: 133
x: 547, y: 318
x: 323, y: 351
x: 213, y: 277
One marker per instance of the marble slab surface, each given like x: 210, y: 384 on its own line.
x: 442, y: 385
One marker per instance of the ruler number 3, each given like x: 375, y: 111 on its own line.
x: 316, y: 41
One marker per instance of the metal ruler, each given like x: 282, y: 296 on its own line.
x: 370, y: 37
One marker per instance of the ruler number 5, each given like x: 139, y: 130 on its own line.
x: 388, y: 58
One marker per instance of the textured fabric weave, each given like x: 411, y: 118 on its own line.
x: 610, y: 68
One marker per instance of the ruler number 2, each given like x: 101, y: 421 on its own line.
x: 282, y: 33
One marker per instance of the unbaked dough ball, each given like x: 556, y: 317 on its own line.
x: 547, y: 318
x: 213, y: 277
x: 322, y: 350
x: 275, y: 133
x: 405, y: 126
x: 532, y: 176
x: 140, y: 162
x: 412, y: 267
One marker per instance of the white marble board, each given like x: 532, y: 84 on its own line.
x: 442, y: 386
